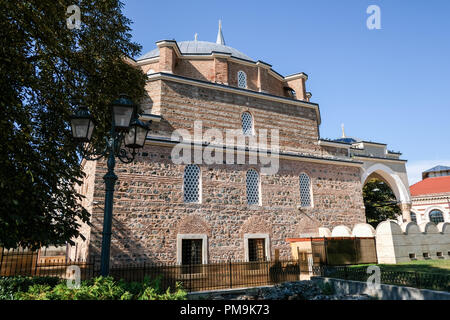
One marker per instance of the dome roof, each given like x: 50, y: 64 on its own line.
x: 347, y: 140
x: 200, y: 48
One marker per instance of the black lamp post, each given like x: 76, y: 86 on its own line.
x: 126, y: 130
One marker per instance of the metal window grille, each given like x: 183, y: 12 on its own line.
x: 413, y: 217
x: 247, y: 124
x: 191, y: 251
x: 191, y: 183
x: 242, y: 79
x: 252, y: 187
x: 256, y: 249
x: 305, y: 190
x: 436, y: 216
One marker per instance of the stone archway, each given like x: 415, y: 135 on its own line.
x: 395, y: 182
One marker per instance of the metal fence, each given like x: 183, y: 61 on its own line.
x: 343, y: 250
x: 199, y: 277
x: 209, y: 276
x: 421, y: 280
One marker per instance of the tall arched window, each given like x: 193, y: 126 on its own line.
x: 436, y: 216
x: 191, y: 184
x: 247, y: 124
x: 252, y: 187
x: 305, y: 191
x: 242, y: 79
x: 413, y: 217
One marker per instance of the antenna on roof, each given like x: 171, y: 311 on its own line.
x: 220, y: 39
x: 195, y: 37
x: 343, y: 131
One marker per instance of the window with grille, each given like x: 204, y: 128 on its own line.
x: 256, y: 250
x: 305, y: 190
x: 436, y: 216
x: 413, y: 217
x: 247, y: 124
x: 242, y: 79
x: 252, y: 187
x: 191, y: 183
x: 191, y: 251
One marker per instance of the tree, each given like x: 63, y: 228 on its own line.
x: 46, y: 70
x: 380, y: 202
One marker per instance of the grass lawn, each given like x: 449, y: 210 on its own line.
x: 425, y: 266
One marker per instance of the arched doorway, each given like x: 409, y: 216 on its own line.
x: 379, y: 201
x: 388, y: 181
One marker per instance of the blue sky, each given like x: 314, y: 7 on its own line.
x: 390, y: 85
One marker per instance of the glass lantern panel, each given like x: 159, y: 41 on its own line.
x: 80, y: 128
x: 122, y: 116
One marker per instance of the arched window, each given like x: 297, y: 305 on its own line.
x: 191, y: 184
x: 252, y: 187
x: 247, y: 124
x: 242, y: 79
x: 305, y: 190
x: 413, y: 217
x: 436, y: 216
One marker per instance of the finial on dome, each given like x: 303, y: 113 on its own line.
x: 343, y: 131
x: 195, y: 37
x: 220, y: 39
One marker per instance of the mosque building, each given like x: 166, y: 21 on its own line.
x: 171, y: 212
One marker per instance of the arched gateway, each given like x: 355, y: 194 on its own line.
x: 385, y: 165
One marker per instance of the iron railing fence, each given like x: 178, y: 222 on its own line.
x: 199, y: 277
x: 421, y: 280
x: 223, y: 275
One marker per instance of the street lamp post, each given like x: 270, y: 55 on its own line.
x: 126, y: 130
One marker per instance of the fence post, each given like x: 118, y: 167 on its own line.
x: 1, y: 260
x: 36, y: 264
x: 231, y: 275
x: 345, y: 273
x: 417, y: 279
x: 143, y: 272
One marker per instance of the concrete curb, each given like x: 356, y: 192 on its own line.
x: 384, y: 291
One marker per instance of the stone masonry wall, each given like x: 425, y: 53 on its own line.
x: 149, y: 210
x: 181, y: 104
x: 81, y: 247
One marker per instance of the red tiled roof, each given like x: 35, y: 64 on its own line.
x: 431, y: 185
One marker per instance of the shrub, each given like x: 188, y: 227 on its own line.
x: 103, y: 288
x: 10, y: 286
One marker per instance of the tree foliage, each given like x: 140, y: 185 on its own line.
x: 380, y: 202
x: 44, y: 65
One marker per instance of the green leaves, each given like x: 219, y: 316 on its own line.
x: 380, y: 202
x: 100, y: 288
x: 43, y: 66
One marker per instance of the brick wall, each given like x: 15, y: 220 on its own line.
x: 222, y: 70
x: 181, y: 104
x: 149, y: 211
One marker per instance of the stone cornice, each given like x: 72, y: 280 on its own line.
x: 363, y: 157
x: 333, y: 144
x: 163, y: 141
x: 431, y: 196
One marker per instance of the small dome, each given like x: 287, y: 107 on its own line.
x: 200, y: 48
x: 347, y: 140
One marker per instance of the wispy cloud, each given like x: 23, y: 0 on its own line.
x: 415, y: 168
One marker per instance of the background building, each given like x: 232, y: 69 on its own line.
x: 431, y: 196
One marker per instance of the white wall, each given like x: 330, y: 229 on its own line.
x: 396, y: 242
